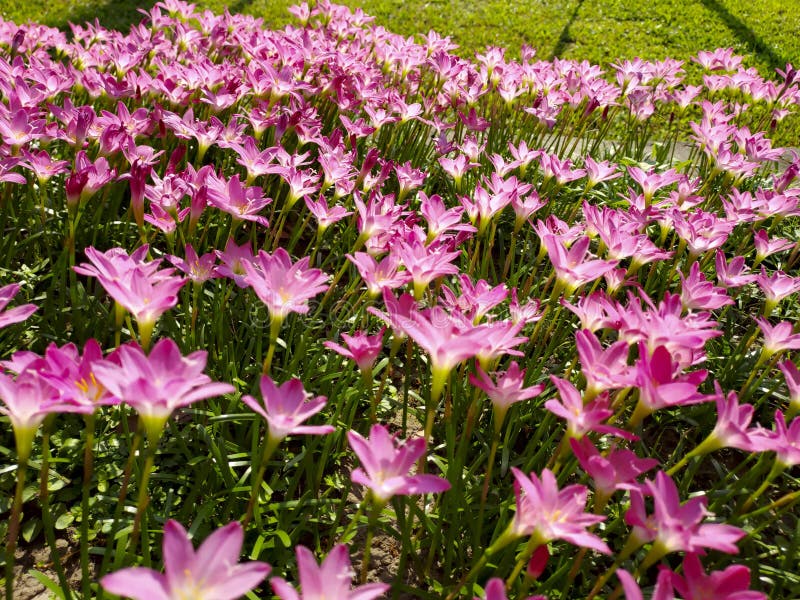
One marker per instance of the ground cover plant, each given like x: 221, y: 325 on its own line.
x: 326, y: 311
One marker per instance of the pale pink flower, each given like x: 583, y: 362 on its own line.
x: 16, y: 314
x: 285, y: 407
x: 285, y: 287
x: 547, y: 513
x: 211, y: 572
x: 386, y: 465
x: 330, y: 580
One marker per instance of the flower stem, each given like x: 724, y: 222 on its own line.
x: 373, y: 520
x: 269, y: 449
x: 87, y: 481
x: 143, y: 498
x: 47, y: 517
x: 13, y: 526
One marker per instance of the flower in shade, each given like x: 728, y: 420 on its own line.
x: 158, y: 383
x: 332, y: 579
x: 363, y: 349
x: 386, y: 464
x: 496, y: 590
x: 212, y: 572
x: 16, y: 314
x: 506, y: 391
x: 283, y: 286
x: 616, y: 470
x: 582, y: 417
x: 286, y: 406
x: 732, y: 583
x: 550, y: 514
x: 675, y: 527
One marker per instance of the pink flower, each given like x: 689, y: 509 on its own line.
x: 699, y: 293
x: 363, y: 349
x: 72, y: 374
x: 603, y: 369
x: 496, y: 590
x: 284, y: 287
x: 572, y: 267
x: 198, y: 268
x: 662, y: 591
x: 379, y: 276
x: 26, y: 400
x: 286, y: 407
x: 550, y: 514
x: 211, y: 572
x: 507, y: 391
x: 732, y: 583
x: 792, y: 377
x: 331, y: 579
x: 158, y: 383
x: 387, y: 463
x: 582, y: 417
x: 617, y: 470
x: 16, y: 314
x: 779, y: 337
x: 784, y: 441
x: 675, y: 527
x: 734, y: 273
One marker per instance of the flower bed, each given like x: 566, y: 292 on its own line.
x: 276, y: 298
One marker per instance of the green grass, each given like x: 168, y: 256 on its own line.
x: 597, y: 30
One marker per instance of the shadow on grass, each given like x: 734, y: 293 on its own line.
x: 565, y: 38
x: 112, y: 14
x: 746, y: 35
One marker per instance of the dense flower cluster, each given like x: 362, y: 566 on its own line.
x: 469, y: 229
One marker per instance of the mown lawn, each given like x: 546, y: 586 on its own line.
x: 597, y: 30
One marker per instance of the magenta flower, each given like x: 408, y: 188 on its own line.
x: 286, y: 407
x: 662, y: 591
x: 675, y: 527
x: 496, y: 590
x: 582, y: 417
x: 778, y: 338
x: 792, y: 376
x: 331, y: 579
x: 73, y: 376
x: 361, y: 348
x: 603, y: 369
x: 386, y: 465
x: 506, y: 391
x: 379, y: 276
x: 211, y: 572
x: 283, y: 286
x: 547, y: 513
x: 784, y: 441
x: 16, y: 314
x: 26, y: 400
x: 617, y: 470
x: 732, y: 583
x: 572, y: 267
x: 158, y: 383
x: 699, y: 293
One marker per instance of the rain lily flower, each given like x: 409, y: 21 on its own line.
x: 361, y: 348
x: 732, y: 583
x: 616, y: 470
x: 778, y: 338
x: 582, y: 417
x: 386, y: 465
x: 546, y: 513
x: 496, y: 590
x: 676, y: 527
x: 26, y: 401
x: 211, y: 572
x: 332, y: 579
x: 16, y: 314
x: 158, y: 383
x: 285, y: 407
x: 506, y: 391
x: 285, y: 287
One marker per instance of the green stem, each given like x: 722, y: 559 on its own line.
x: 13, y: 526
x: 373, y: 520
x: 87, y: 481
x: 47, y: 517
x: 143, y: 498
x: 269, y: 449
